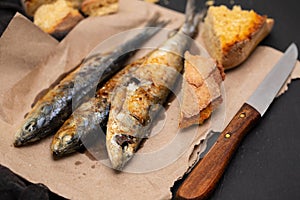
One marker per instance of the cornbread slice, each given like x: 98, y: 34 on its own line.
x: 57, y: 18
x: 231, y: 35
x: 201, y: 89
x: 32, y: 5
x: 99, y: 7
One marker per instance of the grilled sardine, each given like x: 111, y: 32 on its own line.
x: 50, y: 112
x: 136, y: 102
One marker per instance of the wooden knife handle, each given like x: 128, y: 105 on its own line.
x: 206, y: 174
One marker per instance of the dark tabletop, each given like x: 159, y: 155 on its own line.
x: 267, y: 163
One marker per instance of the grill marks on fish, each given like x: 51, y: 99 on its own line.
x: 50, y: 112
x: 139, y: 105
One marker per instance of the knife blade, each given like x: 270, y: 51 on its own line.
x: 220, y: 148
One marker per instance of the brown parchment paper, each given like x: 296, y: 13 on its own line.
x: 30, y: 64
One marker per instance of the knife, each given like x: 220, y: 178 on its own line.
x: 220, y: 148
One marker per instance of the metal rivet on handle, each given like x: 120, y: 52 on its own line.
x: 242, y: 115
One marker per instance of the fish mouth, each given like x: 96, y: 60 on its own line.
x: 64, y: 152
x: 57, y: 154
x: 22, y: 142
x: 115, y: 155
x: 23, y: 138
x: 119, y: 155
x: 59, y: 149
x: 61, y: 152
x: 120, y: 164
x: 18, y: 142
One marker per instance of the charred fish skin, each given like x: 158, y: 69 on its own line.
x: 89, y: 118
x: 136, y: 102
x: 68, y: 138
x: 56, y: 106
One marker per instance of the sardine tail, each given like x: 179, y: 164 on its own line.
x: 193, y: 16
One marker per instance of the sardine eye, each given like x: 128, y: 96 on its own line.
x: 125, y: 140
x: 30, y: 126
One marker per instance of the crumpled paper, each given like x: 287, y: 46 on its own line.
x: 30, y: 64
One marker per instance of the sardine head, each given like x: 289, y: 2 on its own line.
x: 121, y: 149
x: 64, y: 143
x: 34, y: 126
x: 27, y: 133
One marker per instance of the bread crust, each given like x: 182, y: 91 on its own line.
x: 200, y: 89
x: 68, y: 13
x: 59, y: 23
x: 65, y: 25
x: 196, y: 119
x: 233, y: 53
x: 240, y: 51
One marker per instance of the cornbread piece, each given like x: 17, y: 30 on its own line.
x: 231, y: 35
x: 57, y: 18
x: 99, y: 7
x: 32, y: 5
x: 201, y: 90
